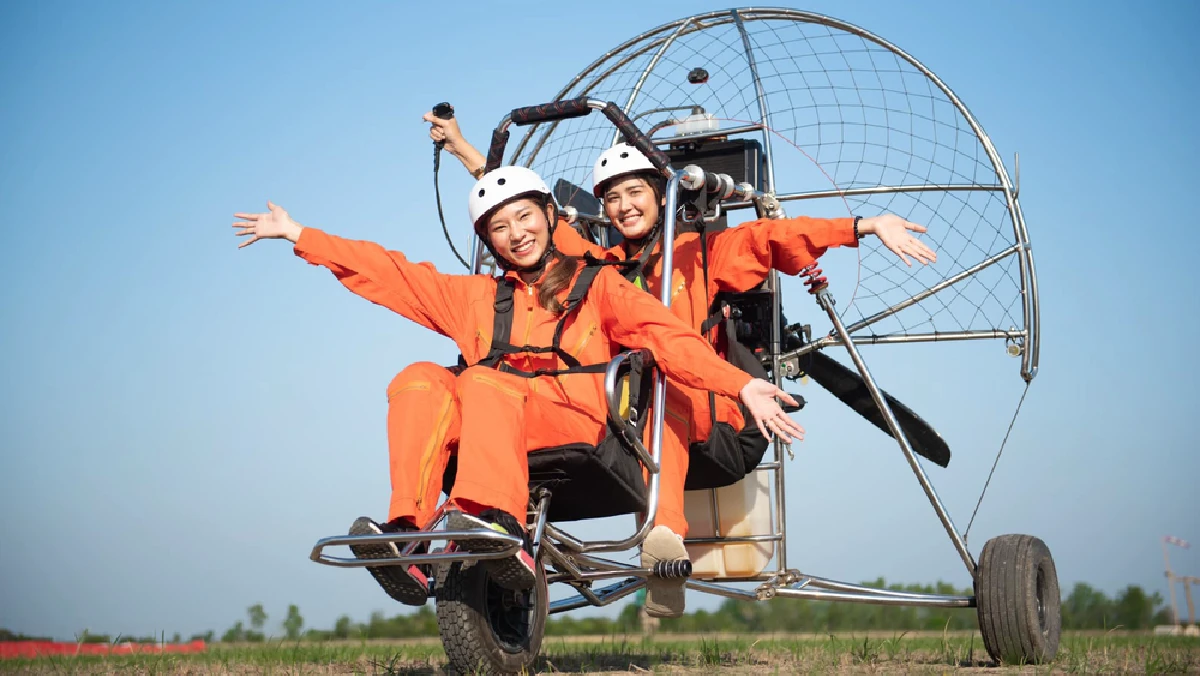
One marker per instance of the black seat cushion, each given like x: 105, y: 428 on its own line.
x: 585, y: 481
x: 726, y: 457
x: 591, y: 482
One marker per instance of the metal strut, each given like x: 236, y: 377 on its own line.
x: 819, y: 287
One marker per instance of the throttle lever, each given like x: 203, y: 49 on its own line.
x: 442, y: 111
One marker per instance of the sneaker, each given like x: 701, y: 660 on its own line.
x: 410, y: 585
x: 664, y: 595
x: 516, y: 572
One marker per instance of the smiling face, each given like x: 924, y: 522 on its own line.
x: 632, y: 206
x: 520, y: 232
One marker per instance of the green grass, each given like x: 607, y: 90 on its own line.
x: 1083, y: 653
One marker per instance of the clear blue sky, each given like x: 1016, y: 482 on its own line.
x: 180, y: 420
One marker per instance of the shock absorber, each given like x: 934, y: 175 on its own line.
x: 674, y: 568
x: 815, y: 282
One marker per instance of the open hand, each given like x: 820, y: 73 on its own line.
x: 893, y: 232
x: 275, y: 224
x: 759, y: 397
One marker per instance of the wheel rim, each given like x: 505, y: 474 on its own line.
x: 510, y: 614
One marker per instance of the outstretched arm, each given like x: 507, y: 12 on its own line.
x: 741, y: 257
x: 387, y: 278
x: 633, y: 318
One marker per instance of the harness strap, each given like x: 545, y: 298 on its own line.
x: 501, y: 323
x: 590, y: 368
x: 714, y: 318
x: 637, y: 273
x: 583, y: 283
x: 502, y: 328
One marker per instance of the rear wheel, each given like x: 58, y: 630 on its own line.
x: 1016, y: 588
x: 486, y: 628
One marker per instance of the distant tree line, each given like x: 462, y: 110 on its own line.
x: 6, y: 635
x: 1084, y: 608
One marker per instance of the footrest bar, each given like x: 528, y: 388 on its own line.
x: 319, y: 556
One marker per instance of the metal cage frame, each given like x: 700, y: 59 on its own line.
x: 574, y: 562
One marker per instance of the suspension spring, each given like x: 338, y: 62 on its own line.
x: 813, y: 279
x: 673, y: 568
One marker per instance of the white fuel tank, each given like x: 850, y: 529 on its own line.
x: 744, y: 509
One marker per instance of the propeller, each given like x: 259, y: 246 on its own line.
x: 849, y: 388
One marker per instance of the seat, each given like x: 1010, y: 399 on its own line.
x: 585, y: 481
x: 589, y: 481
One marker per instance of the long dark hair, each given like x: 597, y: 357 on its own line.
x: 560, y: 268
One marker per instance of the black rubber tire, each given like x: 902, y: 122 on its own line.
x: 1016, y: 589
x: 486, y: 629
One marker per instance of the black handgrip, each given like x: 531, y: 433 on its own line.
x: 547, y: 112
x: 496, y: 150
x: 636, y: 138
x: 442, y: 111
x: 712, y: 181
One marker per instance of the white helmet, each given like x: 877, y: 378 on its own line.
x: 618, y: 160
x: 500, y: 185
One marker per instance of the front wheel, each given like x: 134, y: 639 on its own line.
x: 488, y: 629
x: 1016, y: 589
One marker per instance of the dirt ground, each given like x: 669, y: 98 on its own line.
x: 864, y: 653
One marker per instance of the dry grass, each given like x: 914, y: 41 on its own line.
x: 1088, y: 653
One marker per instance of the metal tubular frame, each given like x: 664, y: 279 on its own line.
x: 318, y: 555
x: 761, y: 95
x: 887, y: 189
x: 700, y: 136
x: 637, y: 88
x: 602, y: 598
x: 832, y: 339
x: 654, y: 38
x: 791, y: 584
x: 1029, y: 337
x: 660, y: 402
x: 580, y: 569
x: 925, y: 600
x: 569, y: 555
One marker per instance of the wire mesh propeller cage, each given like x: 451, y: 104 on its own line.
x: 873, y: 127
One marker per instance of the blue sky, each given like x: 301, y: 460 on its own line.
x: 180, y: 420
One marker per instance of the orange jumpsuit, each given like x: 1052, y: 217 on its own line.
x: 495, y: 418
x: 739, y: 259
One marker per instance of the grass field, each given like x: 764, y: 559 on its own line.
x: 1082, y: 653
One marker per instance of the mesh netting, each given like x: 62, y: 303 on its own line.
x: 845, y: 113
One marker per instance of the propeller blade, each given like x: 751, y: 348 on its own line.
x: 849, y: 388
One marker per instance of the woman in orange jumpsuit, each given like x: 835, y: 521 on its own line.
x: 521, y: 401
x: 738, y: 260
